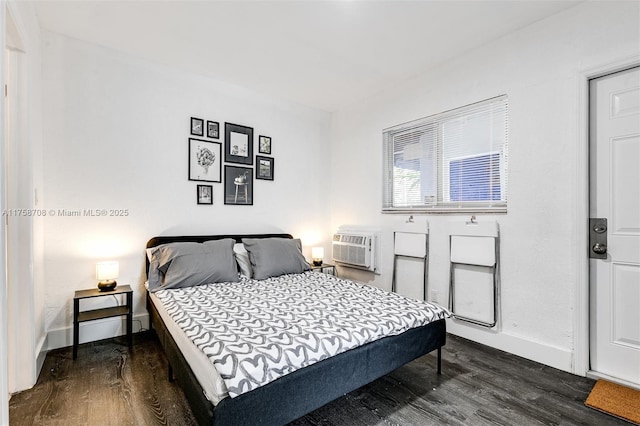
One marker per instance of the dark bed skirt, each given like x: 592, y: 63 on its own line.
x: 304, y: 390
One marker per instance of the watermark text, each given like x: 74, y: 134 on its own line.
x: 66, y: 212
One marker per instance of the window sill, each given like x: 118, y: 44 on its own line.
x: 445, y: 210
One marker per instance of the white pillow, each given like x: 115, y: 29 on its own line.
x: 242, y: 257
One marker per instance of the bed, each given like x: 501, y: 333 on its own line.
x: 292, y: 394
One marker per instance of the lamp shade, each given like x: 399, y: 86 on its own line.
x: 107, y: 270
x: 317, y: 253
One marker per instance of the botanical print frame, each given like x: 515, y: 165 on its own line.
x: 238, y: 145
x: 205, y: 160
x: 213, y: 129
x: 205, y: 194
x: 264, y: 167
x: 197, y: 126
x: 238, y: 185
x: 264, y: 144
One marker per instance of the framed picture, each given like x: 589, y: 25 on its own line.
x: 205, y: 194
x: 238, y: 144
x: 264, y: 167
x: 197, y: 126
x: 264, y: 145
x: 238, y: 185
x: 213, y: 129
x: 205, y: 162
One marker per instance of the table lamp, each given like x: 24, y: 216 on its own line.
x: 106, y: 273
x: 317, y: 255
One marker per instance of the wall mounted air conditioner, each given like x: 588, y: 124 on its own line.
x: 355, y: 250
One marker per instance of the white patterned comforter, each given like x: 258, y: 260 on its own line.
x: 254, y: 332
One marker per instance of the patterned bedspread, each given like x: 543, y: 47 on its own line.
x: 256, y: 331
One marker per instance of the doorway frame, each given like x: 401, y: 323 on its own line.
x: 581, y: 336
x: 4, y: 387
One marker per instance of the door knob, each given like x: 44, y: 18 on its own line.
x: 599, y: 248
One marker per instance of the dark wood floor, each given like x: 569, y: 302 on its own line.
x: 108, y: 385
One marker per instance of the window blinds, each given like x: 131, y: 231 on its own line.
x: 453, y: 161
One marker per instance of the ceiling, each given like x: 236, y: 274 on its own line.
x: 323, y: 54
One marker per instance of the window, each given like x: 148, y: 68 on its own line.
x: 453, y: 161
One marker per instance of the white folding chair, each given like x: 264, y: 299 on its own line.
x: 411, y: 245
x: 473, y: 273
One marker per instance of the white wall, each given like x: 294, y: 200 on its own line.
x: 117, y: 132
x: 538, y: 67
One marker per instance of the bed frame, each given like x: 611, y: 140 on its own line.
x: 298, y: 393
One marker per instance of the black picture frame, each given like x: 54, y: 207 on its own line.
x: 213, y: 129
x: 264, y: 167
x: 205, y: 160
x: 204, y: 194
x: 264, y: 144
x: 238, y: 190
x: 238, y: 145
x: 197, y: 126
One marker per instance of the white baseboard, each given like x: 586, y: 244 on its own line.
x: 91, y: 331
x: 535, y: 351
x: 41, y: 354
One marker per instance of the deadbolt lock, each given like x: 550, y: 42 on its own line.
x: 600, y: 227
x: 598, y: 238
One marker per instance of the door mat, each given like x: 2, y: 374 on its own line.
x: 614, y: 399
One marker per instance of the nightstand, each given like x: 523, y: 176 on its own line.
x: 327, y: 268
x: 114, y: 311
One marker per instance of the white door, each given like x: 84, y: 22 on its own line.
x: 615, y: 195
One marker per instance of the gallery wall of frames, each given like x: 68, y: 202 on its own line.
x: 208, y: 144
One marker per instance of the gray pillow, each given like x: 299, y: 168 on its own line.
x: 177, y: 265
x: 271, y: 257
